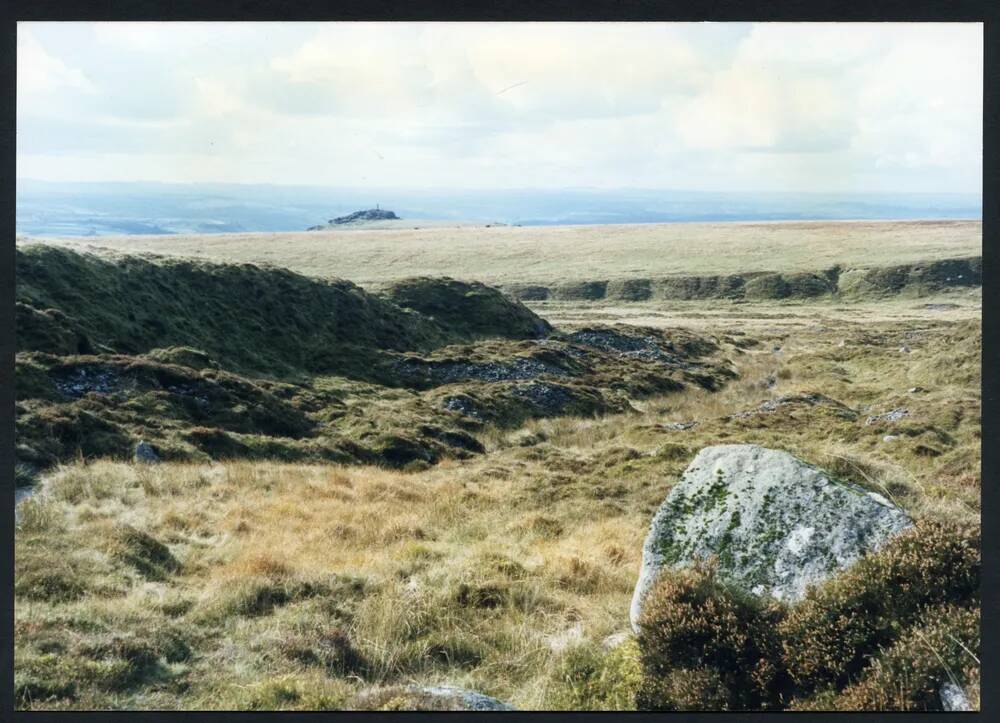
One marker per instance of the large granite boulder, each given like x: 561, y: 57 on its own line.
x: 775, y: 524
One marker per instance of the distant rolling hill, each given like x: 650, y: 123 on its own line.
x: 100, y: 209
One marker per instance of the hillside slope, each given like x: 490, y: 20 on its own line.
x: 212, y: 361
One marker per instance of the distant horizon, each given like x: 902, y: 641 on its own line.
x: 98, y: 209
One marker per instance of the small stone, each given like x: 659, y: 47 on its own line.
x: 893, y: 415
x: 954, y: 698
x: 904, y: 350
x: 469, y: 699
x: 145, y: 453
x: 431, y: 697
x: 890, y: 438
x: 615, y: 639
x: 565, y: 639
x: 915, y: 390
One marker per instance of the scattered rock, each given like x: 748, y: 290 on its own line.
x: 679, y: 426
x: 448, y: 372
x: 145, y: 454
x: 427, y: 697
x: 88, y: 378
x: 640, y: 347
x: 954, y: 698
x: 890, y: 438
x: 775, y: 523
x: 549, y: 398
x: 371, y: 214
x: 615, y: 639
x: 940, y: 307
x: 893, y: 415
x: 798, y: 400
x: 469, y: 699
x: 915, y: 390
x: 904, y: 350
x: 466, y: 406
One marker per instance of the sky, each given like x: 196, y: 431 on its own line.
x: 836, y: 107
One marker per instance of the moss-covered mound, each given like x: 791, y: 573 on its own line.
x: 249, y: 318
x: 918, y: 279
x: 911, y: 279
x: 212, y: 361
x: 468, y: 309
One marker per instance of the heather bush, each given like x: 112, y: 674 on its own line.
x: 830, y: 636
x: 707, y: 646
x: 942, y: 647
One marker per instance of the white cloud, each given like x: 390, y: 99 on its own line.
x: 715, y: 106
x: 38, y: 71
x: 921, y: 104
x: 789, y: 88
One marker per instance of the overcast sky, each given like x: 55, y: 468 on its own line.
x: 697, y: 106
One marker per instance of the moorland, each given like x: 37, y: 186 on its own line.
x: 305, y: 471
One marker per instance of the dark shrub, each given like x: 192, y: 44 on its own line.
x: 942, y: 647
x: 704, y: 645
x: 829, y: 637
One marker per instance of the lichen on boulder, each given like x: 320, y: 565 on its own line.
x: 775, y: 524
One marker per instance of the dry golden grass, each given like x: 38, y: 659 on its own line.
x: 300, y: 586
x: 553, y: 254
x: 762, y: 317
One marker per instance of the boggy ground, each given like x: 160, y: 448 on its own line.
x: 269, y: 584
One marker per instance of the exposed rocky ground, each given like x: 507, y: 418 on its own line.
x: 112, y: 351
x: 358, y: 217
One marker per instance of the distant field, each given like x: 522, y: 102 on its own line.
x: 505, y: 255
